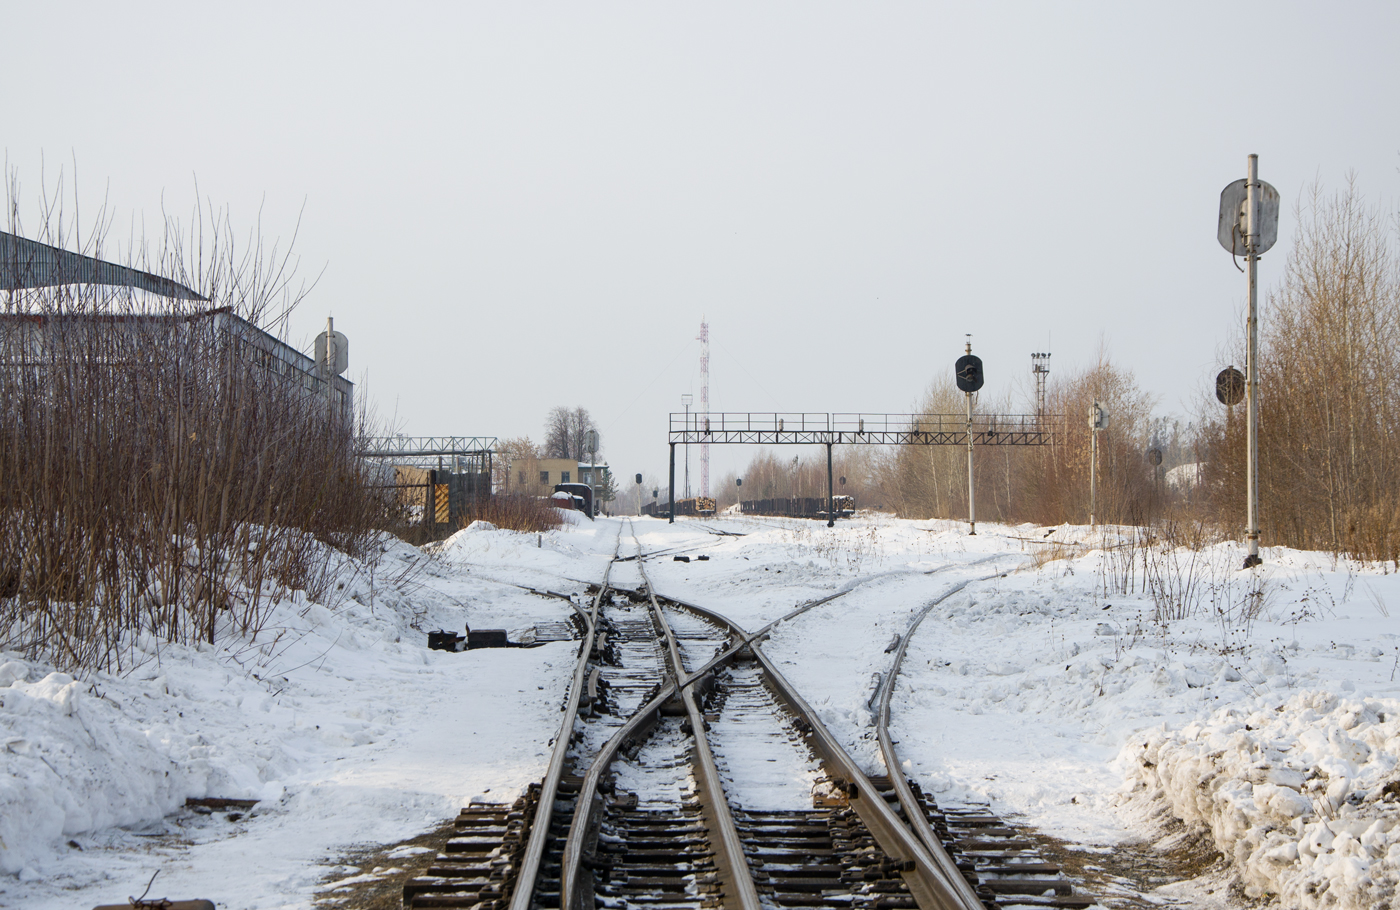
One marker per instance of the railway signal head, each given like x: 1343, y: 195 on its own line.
x: 1229, y: 386
x: 968, y: 371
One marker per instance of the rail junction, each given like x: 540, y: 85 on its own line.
x: 669, y: 701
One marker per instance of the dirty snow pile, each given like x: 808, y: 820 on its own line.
x: 1302, y: 794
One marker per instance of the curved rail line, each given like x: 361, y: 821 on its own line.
x: 1014, y: 882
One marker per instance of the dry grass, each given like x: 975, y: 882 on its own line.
x: 515, y: 513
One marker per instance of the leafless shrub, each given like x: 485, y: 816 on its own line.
x: 156, y: 477
x: 514, y: 513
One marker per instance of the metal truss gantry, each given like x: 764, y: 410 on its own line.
x: 428, y: 446
x: 470, y: 453
x: 829, y: 429
x: 860, y: 429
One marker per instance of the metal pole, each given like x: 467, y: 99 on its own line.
x: 1252, y: 368
x: 330, y: 364
x: 830, y: 512
x: 971, y: 489
x: 1093, y: 464
x: 672, y: 494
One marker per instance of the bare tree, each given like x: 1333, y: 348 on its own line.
x: 566, y: 433
x: 514, y: 454
x: 1016, y: 483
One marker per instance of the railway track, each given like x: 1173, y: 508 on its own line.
x: 687, y: 773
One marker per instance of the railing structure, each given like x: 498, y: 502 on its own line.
x: 442, y: 475
x: 829, y: 429
x: 748, y: 427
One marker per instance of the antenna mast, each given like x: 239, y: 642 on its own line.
x: 704, y: 339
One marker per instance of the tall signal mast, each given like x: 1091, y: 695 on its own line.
x: 1040, y: 366
x: 704, y: 339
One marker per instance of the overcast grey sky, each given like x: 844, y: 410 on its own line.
x: 843, y: 190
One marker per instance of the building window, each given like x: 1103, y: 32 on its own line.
x: 563, y: 476
x: 522, y: 478
x: 544, y: 477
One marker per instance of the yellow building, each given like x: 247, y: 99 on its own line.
x: 537, y: 476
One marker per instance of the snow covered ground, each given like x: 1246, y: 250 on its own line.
x: 1270, y: 717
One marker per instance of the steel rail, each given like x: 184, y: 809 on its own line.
x: 934, y: 886
x: 889, y: 754
x: 747, y: 638
x: 924, y: 877
x: 912, y: 813
x: 733, y: 867
x: 539, y: 829
x: 570, y: 878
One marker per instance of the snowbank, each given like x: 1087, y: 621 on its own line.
x: 337, y: 718
x: 73, y: 763
x: 1303, y: 795
x: 1033, y: 689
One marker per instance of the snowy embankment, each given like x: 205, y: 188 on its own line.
x: 1039, y: 688
x: 337, y: 719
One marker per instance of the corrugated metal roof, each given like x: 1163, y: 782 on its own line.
x: 29, y: 264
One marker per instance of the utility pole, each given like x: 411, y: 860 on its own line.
x: 592, y: 439
x: 704, y: 339
x: 830, y: 496
x: 332, y: 356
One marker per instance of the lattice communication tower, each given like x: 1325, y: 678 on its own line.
x: 704, y: 339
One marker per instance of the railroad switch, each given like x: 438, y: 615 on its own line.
x: 443, y: 640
